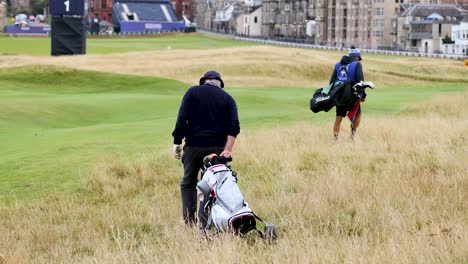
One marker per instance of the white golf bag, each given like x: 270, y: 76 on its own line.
x: 227, y: 209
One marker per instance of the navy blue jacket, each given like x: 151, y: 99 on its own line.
x: 206, y: 117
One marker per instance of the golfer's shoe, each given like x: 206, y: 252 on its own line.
x: 353, y: 134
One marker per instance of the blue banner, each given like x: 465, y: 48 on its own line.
x: 27, y: 30
x: 142, y: 27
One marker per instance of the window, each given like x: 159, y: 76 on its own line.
x: 104, y: 4
x: 356, y: 34
x: 378, y: 34
x: 379, y: 11
x: 255, y: 20
x: 378, y: 22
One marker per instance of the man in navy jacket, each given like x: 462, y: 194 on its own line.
x: 209, y: 122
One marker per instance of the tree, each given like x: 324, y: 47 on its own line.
x: 37, y: 6
x: 447, y: 40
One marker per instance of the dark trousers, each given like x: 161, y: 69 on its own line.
x: 192, y: 159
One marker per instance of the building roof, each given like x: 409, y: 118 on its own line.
x: 253, y: 9
x: 444, y: 10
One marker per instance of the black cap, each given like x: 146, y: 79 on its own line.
x: 212, y: 75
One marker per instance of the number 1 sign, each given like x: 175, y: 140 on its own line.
x: 67, y: 7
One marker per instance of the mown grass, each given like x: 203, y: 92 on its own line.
x: 55, y: 122
x: 169, y: 41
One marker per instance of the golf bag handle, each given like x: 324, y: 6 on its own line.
x: 214, y: 159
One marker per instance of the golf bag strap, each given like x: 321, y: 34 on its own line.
x: 226, y: 207
x: 259, y: 219
x: 209, y: 222
x: 219, y: 183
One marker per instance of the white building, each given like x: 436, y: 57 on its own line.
x: 425, y: 26
x: 224, y: 16
x: 460, y: 37
x: 250, y: 23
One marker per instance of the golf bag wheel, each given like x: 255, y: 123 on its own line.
x: 270, y: 232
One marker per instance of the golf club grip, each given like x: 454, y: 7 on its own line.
x: 224, y: 159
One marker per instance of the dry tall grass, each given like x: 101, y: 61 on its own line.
x: 397, y: 195
x: 256, y: 66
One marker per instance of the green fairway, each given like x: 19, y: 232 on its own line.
x: 41, y: 46
x: 56, y: 124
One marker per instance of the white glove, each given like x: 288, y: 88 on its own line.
x: 176, y: 151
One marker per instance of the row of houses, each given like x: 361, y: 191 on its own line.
x: 421, y: 26
x: 428, y: 26
x: 409, y: 25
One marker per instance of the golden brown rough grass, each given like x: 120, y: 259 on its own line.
x: 397, y: 195
x: 257, y: 66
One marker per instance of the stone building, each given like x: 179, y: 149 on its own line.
x: 350, y: 23
x: 288, y: 18
x: 371, y: 24
x: 101, y: 9
x: 364, y: 23
x: 3, y: 15
x: 183, y: 8
x: 204, y: 12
